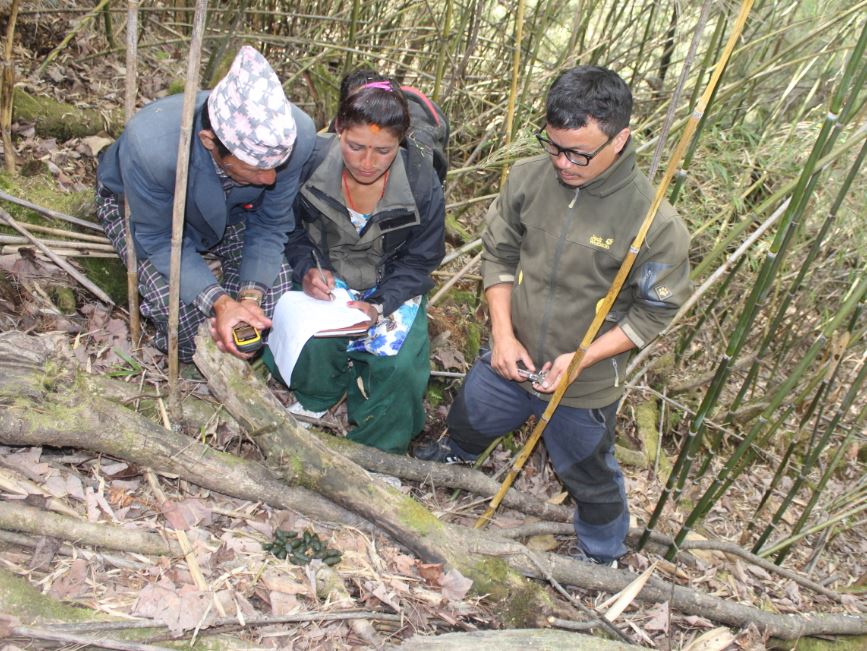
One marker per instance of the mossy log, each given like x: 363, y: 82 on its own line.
x: 46, y: 400
x: 53, y: 119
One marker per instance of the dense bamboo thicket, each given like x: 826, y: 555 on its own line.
x: 771, y: 188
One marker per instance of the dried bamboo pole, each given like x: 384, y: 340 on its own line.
x: 50, y: 213
x: 180, y: 200
x: 602, y: 311
x: 90, y: 246
x: 82, y: 237
x: 60, y: 262
x: 451, y: 281
x: 8, y: 84
x: 130, y: 93
x: 513, y: 89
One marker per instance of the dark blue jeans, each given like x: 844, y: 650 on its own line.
x: 580, y: 443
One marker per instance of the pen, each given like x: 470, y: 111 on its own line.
x: 321, y: 273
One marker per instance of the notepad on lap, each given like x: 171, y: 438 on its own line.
x: 298, y: 317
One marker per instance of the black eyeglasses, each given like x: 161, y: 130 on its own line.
x: 575, y: 157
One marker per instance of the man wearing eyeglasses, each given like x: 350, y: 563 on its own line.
x: 554, y: 241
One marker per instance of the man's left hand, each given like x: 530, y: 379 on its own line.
x: 553, y: 373
x: 227, y: 314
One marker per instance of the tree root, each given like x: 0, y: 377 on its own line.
x: 28, y: 519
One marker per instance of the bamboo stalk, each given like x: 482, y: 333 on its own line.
x: 602, y: 310
x: 180, y: 200
x: 8, y: 85
x: 11, y: 239
x: 130, y: 94
x: 50, y: 213
x: 97, y: 239
x: 766, y: 274
x: 513, y: 90
x: 60, y: 262
x: 712, y: 493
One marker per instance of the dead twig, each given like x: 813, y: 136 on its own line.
x: 600, y: 620
x: 72, y: 638
x: 50, y: 213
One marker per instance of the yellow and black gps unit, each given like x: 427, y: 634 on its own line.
x: 247, y: 338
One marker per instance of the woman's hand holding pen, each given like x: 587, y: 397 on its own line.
x: 318, y: 284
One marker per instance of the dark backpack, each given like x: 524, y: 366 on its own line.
x: 428, y: 137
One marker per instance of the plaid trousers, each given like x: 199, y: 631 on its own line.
x: 153, y: 286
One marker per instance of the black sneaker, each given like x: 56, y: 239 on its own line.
x: 443, y: 451
x: 581, y: 556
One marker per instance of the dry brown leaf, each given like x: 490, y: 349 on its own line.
x: 660, y: 618
x: 405, y: 564
x: 283, y: 603
x: 430, y: 572
x: 559, y: 498
x: 379, y: 591
x: 626, y: 596
x: 73, y: 583
x: 186, y: 514
x: 455, y: 585
x: 715, y: 640
x: 279, y: 582
x: 180, y: 610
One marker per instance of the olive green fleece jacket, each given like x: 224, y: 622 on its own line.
x: 560, y: 248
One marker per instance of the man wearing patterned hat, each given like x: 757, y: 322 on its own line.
x: 246, y: 156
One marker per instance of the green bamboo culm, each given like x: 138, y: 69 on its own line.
x: 713, y: 492
x: 814, y: 450
x: 782, y: 547
x: 766, y: 274
x: 775, y: 256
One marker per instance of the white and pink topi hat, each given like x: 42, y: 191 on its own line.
x: 250, y: 113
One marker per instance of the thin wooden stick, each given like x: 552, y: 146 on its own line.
x: 50, y: 213
x: 7, y: 90
x: 60, y: 262
x: 451, y: 281
x: 82, y: 640
x: 190, y: 88
x: 81, y: 237
x: 90, y: 246
x: 131, y: 91
x: 574, y: 366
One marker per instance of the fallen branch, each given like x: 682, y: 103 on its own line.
x: 34, y: 633
x: 19, y: 517
x: 440, y: 474
x: 23, y: 540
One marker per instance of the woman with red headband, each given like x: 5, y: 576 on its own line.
x: 363, y: 224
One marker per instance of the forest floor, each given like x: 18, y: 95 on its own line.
x: 228, y: 534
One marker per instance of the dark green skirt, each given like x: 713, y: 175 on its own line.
x: 385, y: 395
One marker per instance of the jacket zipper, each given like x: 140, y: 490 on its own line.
x: 558, y: 253
x: 616, y: 372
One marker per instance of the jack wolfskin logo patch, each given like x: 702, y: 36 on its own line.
x: 596, y: 240
x: 662, y: 292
